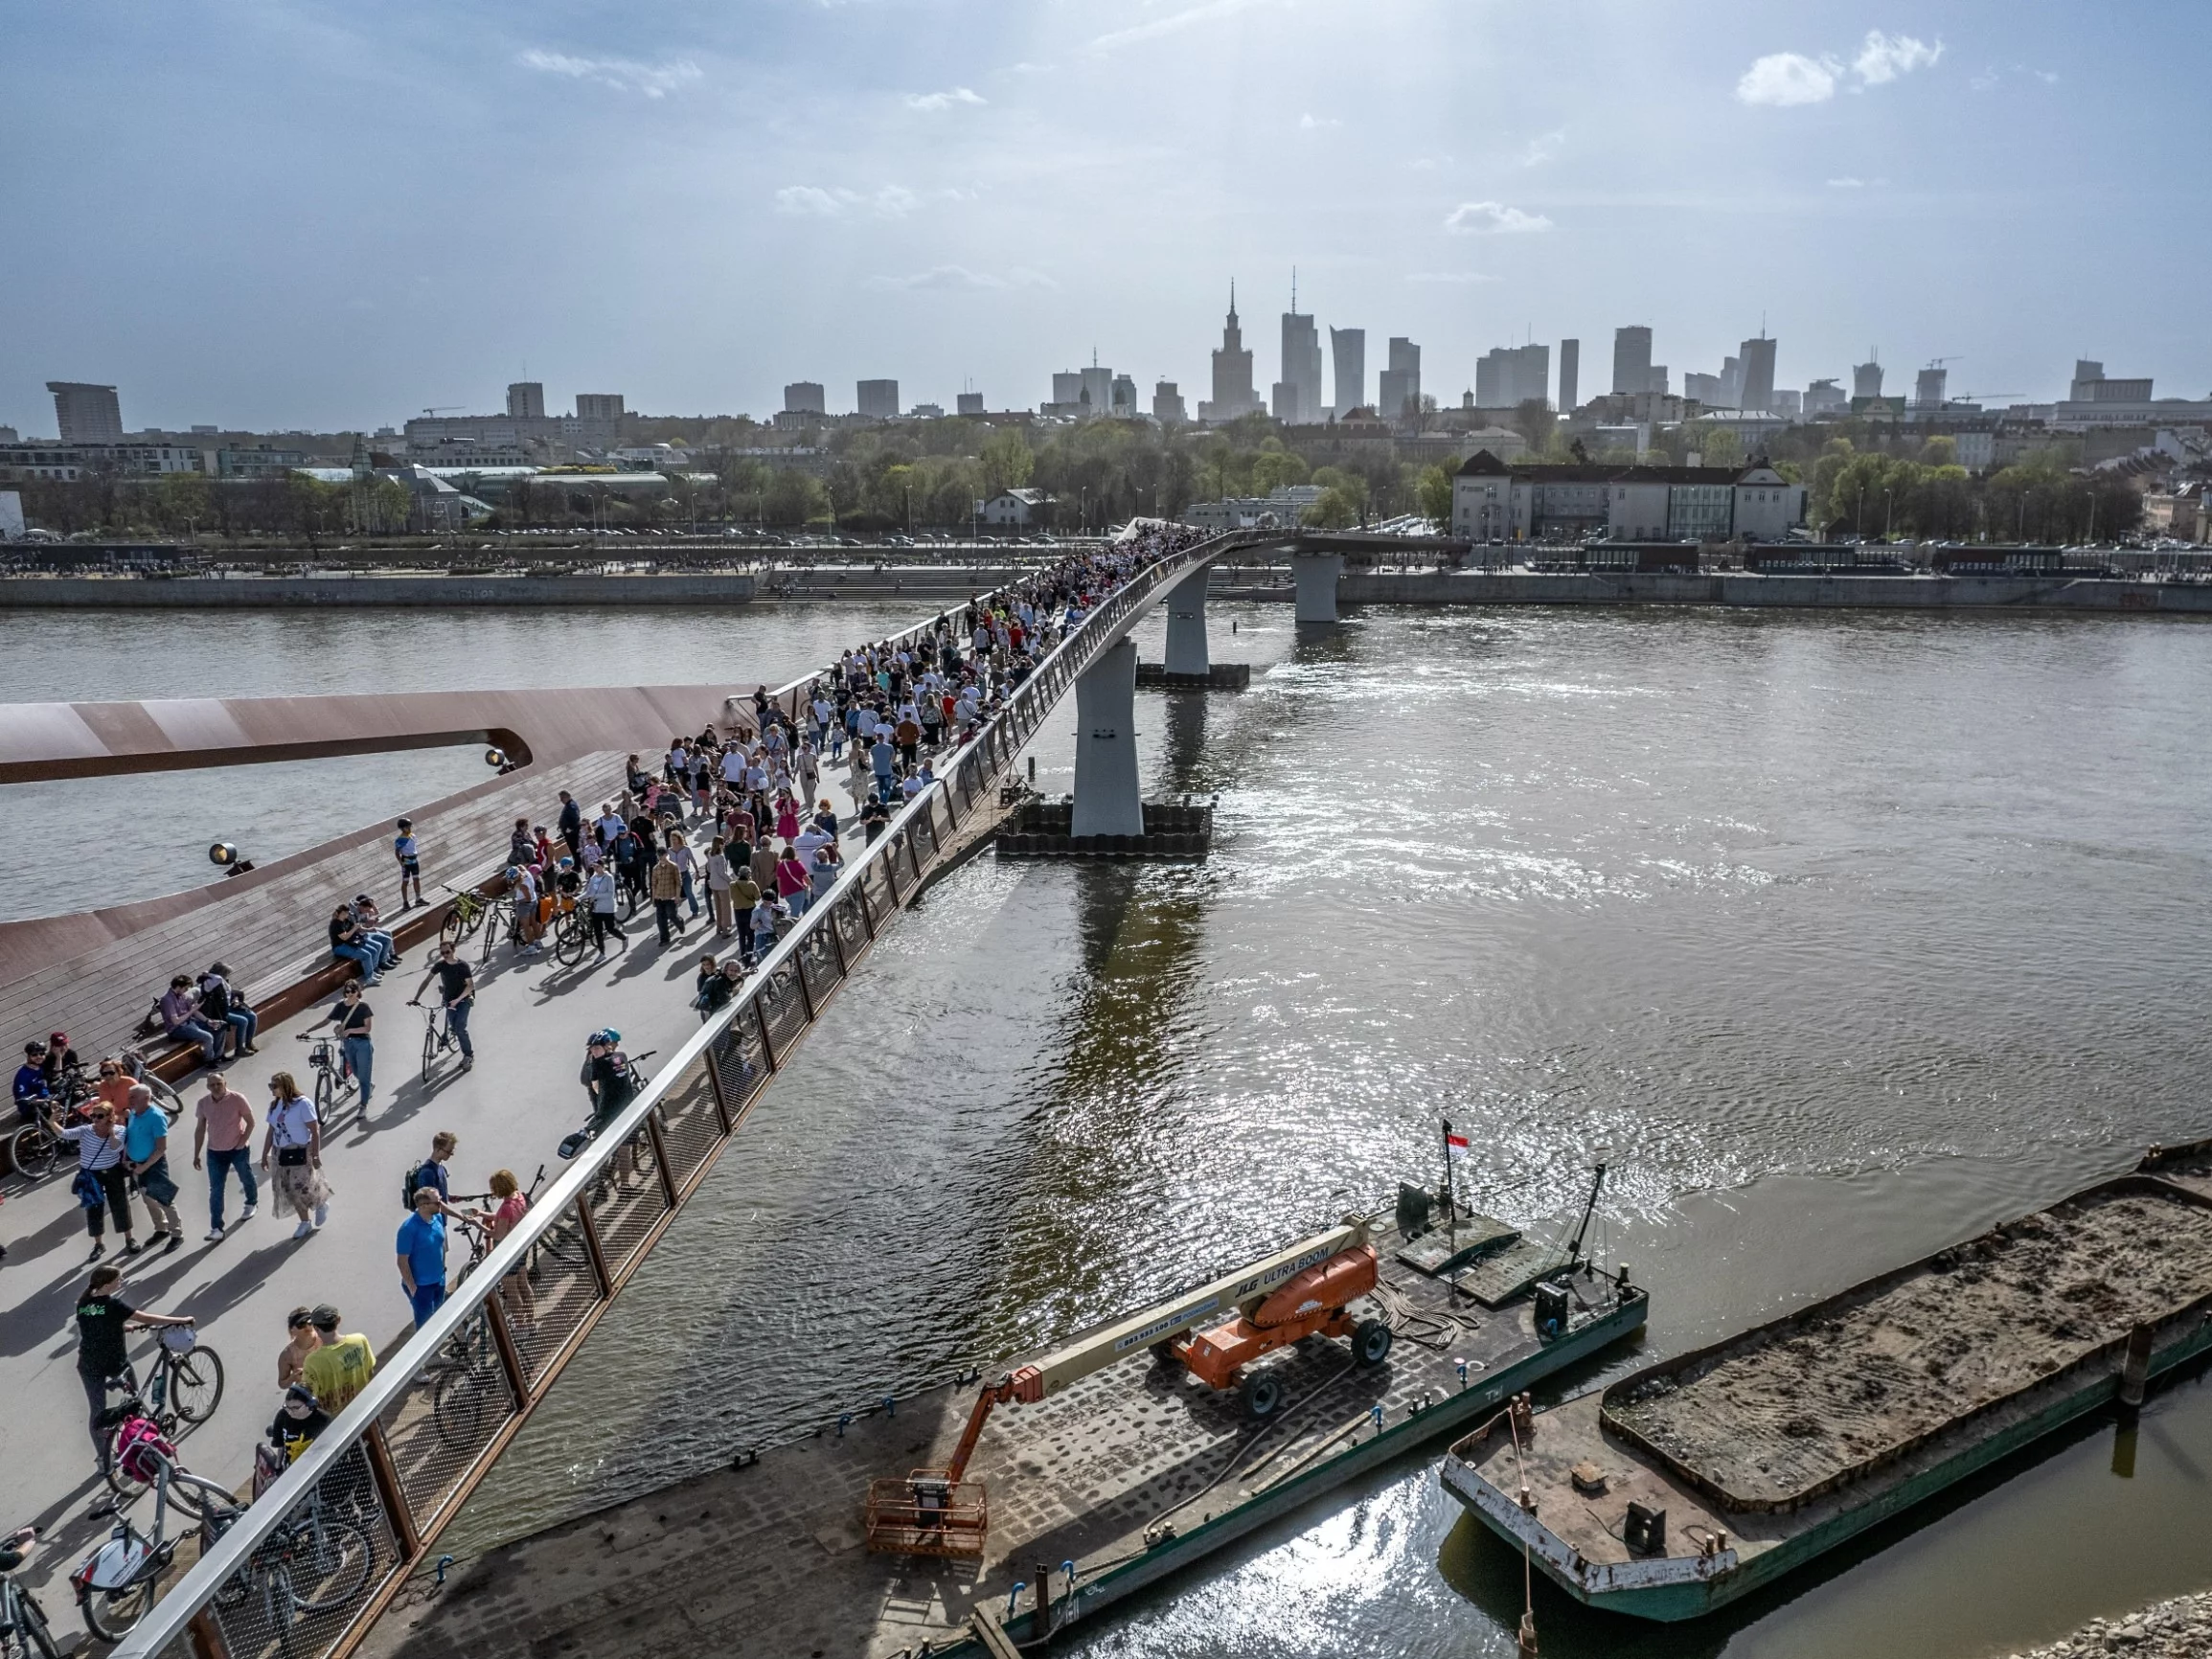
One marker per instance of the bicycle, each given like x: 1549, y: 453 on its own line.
x: 437, y: 1034
x: 499, y: 921
x: 37, y: 1146
x: 571, y: 936
x: 464, y: 918
x: 23, y: 1625
x: 184, y: 1388
x: 331, y: 1078
x: 120, y: 1582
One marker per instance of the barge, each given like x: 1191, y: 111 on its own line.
x: 1695, y: 1482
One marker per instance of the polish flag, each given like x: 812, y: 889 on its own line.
x: 1455, y: 1143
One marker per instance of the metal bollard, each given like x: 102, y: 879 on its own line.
x: 1376, y: 1412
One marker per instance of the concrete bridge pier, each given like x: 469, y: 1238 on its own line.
x: 1107, y: 798
x: 1186, y: 602
x: 1317, y: 574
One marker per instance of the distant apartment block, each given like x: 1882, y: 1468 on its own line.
x: 65, y: 463
x: 86, y: 414
x: 526, y: 400
x: 1632, y: 358
x: 878, y: 399
x: 805, y: 397
x: 1398, y: 391
x: 1348, y: 354
x: 1570, y: 374
x: 1509, y: 376
x: 599, y: 406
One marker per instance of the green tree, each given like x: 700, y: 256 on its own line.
x: 1273, y: 469
x: 1335, y: 511
x: 1007, y: 461
x: 1433, y: 494
x: 1532, y: 419
x: 182, y: 500
x: 794, y: 499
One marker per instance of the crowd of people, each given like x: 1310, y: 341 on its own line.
x: 730, y: 825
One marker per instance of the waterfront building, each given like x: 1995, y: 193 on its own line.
x: 1280, y: 509
x: 1494, y: 501
x: 526, y: 400
x: 86, y: 414
x: 1399, y: 394
x: 1233, y: 394
x: 599, y: 406
x: 878, y: 399
x: 65, y: 463
x: 1348, y: 351
x: 1570, y: 374
x: 1013, y: 509
x: 1632, y: 358
x: 805, y: 397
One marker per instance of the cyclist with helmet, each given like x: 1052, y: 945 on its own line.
x: 607, y: 1075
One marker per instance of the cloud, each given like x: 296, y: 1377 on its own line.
x: 1493, y: 218
x: 1846, y: 184
x: 935, y: 101
x: 1783, y: 78
x: 960, y: 279
x: 1205, y: 11
x: 1884, y: 57
x: 1315, y: 122
x: 1455, y: 277
x: 1542, y: 148
x: 891, y: 201
x: 654, y: 79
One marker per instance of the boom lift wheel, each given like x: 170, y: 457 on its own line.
x: 1370, y: 1342
x: 1262, y: 1394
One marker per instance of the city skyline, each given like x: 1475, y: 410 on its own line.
x: 973, y: 198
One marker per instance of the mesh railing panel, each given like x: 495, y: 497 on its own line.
x: 304, y: 1586
x: 438, y: 1429
x: 851, y: 927
x: 626, y: 1202
x: 818, y: 958
x: 924, y: 836
x: 881, y: 897
x: 556, y: 1295
x: 785, y: 1009
x: 893, y: 865
x: 740, y: 1062
x: 690, y: 1125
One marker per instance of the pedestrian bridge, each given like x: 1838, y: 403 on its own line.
x: 443, y: 1409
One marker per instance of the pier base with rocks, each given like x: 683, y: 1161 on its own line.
x: 2167, y: 1630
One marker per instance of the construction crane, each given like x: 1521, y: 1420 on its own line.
x: 443, y: 408
x: 1214, y: 1331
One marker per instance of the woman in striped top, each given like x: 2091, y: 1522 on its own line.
x: 103, y: 1177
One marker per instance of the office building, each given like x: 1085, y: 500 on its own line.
x: 1702, y: 389
x: 1509, y: 376
x: 1067, y: 393
x: 1098, y: 389
x: 1825, y: 397
x: 1348, y: 354
x: 877, y: 398
x: 1755, y: 386
x: 86, y: 414
x: 1125, y: 398
x: 1297, y: 395
x: 599, y: 406
x: 1632, y: 359
x: 968, y: 403
x: 805, y: 397
x: 1570, y: 374
x: 1233, y: 394
x: 1927, y: 387
x: 526, y: 400
x: 1655, y: 379
x: 1866, y: 379
x: 1168, y: 404
x: 1400, y: 392
x: 2089, y: 385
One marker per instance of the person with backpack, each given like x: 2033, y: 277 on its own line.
x: 434, y: 1172
x: 102, y: 1351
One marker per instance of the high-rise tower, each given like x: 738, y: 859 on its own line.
x: 1232, y: 372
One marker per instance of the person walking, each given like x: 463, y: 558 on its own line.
x: 457, y: 994
x: 407, y: 852
x: 103, y: 1350
x: 295, y: 1142
x: 356, y: 1023
x: 791, y: 882
x: 687, y: 863
x: 223, y: 1131
x: 570, y: 823
x: 719, y: 878
x: 421, y: 1254
x: 667, y: 891
x: 103, y: 1177
x: 341, y: 1366
x: 599, y: 902
x: 145, y: 1151
x: 744, y: 893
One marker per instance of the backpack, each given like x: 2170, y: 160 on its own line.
x: 412, y: 1182
x: 140, y: 1446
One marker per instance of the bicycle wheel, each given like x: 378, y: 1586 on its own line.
x: 326, y: 1094
x: 330, y: 1563
x: 569, y: 940
x: 195, y: 1384
x: 31, y: 1624
x: 113, y: 1614
x: 498, y: 920
x: 458, y: 1399
x: 171, y: 1102
x: 33, y: 1151
x: 429, y: 1050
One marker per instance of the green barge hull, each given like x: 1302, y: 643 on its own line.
x: 1708, y: 1443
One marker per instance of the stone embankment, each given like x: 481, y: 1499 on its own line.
x: 2177, y: 1630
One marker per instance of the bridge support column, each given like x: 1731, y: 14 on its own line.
x: 1187, y: 627
x: 1317, y: 574
x: 1106, y: 801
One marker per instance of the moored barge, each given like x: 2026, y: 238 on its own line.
x: 1689, y: 1485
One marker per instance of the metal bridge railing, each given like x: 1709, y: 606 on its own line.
x: 405, y: 1453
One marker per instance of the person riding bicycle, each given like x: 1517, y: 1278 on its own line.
x: 457, y: 994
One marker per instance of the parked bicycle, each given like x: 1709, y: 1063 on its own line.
x: 183, y: 1390
x: 23, y: 1627
x: 470, y: 908
x: 120, y: 1582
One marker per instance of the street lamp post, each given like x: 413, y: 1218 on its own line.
x: 1886, y: 513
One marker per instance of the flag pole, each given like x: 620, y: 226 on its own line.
x: 1450, y: 1191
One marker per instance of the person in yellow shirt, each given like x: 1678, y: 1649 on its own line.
x: 340, y: 1366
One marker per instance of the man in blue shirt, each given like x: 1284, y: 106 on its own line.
x: 421, y: 1248
x: 33, y: 1096
x: 146, y: 1148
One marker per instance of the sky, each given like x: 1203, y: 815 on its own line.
x: 269, y: 216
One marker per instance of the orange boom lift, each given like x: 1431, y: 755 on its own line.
x: 1214, y: 1331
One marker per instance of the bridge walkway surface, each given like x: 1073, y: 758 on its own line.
x: 446, y: 1403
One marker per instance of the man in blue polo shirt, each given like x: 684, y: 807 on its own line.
x: 422, y: 1249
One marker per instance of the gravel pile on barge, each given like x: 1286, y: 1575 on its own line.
x: 1773, y: 1421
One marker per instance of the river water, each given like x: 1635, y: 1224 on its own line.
x: 1841, y: 936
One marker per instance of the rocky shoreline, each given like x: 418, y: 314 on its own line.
x: 2181, y: 1628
